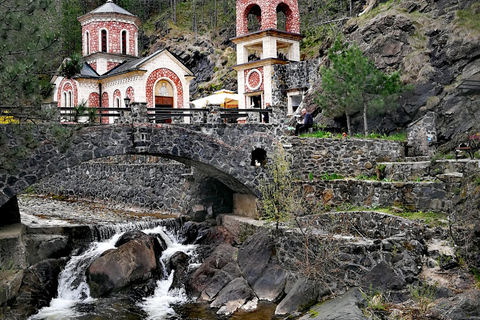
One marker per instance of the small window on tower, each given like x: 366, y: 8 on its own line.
x: 124, y: 42
x: 104, y: 40
x: 87, y: 43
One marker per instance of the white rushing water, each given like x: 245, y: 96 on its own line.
x: 158, y: 306
x: 73, y: 287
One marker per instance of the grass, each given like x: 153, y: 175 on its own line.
x: 334, y: 176
x: 431, y: 218
x: 402, y: 136
x: 469, y: 18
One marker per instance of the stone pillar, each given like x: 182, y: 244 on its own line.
x: 139, y: 112
x: 422, y: 136
x: 9, y: 212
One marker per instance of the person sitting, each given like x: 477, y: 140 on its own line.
x: 306, y: 124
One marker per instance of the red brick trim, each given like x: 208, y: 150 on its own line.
x: 65, y: 86
x: 163, y: 73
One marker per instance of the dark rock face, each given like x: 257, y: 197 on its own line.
x: 382, y: 277
x: 39, y: 286
x: 302, y: 295
x: 234, y: 296
x: 133, y: 262
x: 434, y: 53
x: 205, y: 282
x: 346, y: 307
x: 463, y: 306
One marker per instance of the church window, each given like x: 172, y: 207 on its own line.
x: 70, y: 104
x: 254, y: 18
x: 117, y: 102
x: 87, y: 43
x: 124, y: 42
x: 104, y: 40
x: 64, y: 99
x: 282, y: 17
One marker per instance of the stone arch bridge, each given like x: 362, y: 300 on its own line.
x: 221, y: 151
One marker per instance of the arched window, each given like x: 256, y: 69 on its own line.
x: 254, y: 18
x: 124, y: 42
x: 87, y: 43
x: 282, y: 17
x: 64, y: 99
x: 117, y: 102
x: 70, y: 104
x: 104, y: 40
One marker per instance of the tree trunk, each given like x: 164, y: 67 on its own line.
x: 365, y: 122
x: 349, y: 126
x: 174, y: 11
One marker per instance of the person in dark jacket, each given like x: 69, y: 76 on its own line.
x: 306, y: 124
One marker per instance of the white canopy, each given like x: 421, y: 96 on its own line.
x: 217, y: 97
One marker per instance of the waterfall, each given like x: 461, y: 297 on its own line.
x: 73, y: 288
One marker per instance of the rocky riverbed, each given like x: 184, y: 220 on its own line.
x: 363, y: 264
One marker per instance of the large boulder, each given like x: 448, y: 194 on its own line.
x: 254, y: 255
x: 346, y: 307
x: 271, y: 283
x: 259, y: 264
x: 302, y: 295
x: 215, y: 272
x: 235, y: 295
x: 382, y: 277
x: 131, y: 263
x: 179, y: 262
x: 39, y: 286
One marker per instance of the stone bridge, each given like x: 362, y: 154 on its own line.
x: 222, y: 151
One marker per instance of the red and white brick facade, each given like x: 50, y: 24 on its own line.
x: 93, y: 42
x: 136, y: 79
x: 67, y: 95
x: 254, y: 79
x: 276, y: 46
x: 268, y: 18
x: 171, y: 77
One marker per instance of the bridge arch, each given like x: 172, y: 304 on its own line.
x: 221, y: 151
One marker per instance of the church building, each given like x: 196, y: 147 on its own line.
x: 112, y: 69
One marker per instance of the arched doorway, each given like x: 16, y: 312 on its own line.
x: 164, y: 98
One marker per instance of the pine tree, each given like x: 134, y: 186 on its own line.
x: 353, y: 84
x: 27, y: 42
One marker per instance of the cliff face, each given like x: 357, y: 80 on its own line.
x: 436, y: 46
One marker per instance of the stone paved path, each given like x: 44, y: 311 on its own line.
x: 46, y: 211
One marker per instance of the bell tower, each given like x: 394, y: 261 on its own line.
x: 268, y: 33
x: 109, y: 36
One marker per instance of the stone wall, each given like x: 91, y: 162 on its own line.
x: 295, y: 75
x: 348, y: 157
x: 420, y: 196
x: 147, y: 182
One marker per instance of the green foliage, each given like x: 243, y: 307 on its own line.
x: 79, y: 111
x: 423, y: 295
x: 476, y: 275
x: 279, y: 198
x: 469, y: 18
x: 70, y: 28
x: 310, y: 176
x: 27, y: 40
x: 334, y: 176
x: 72, y: 66
x: 353, y: 84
